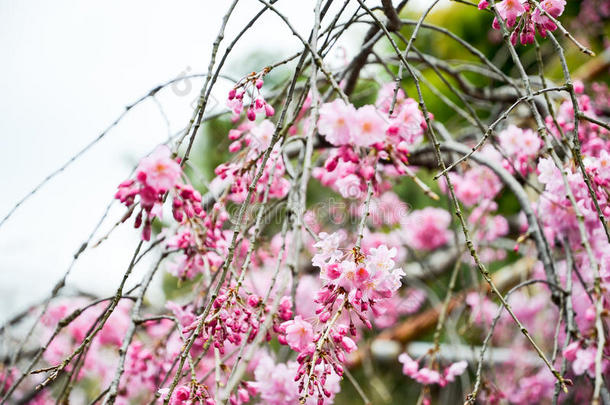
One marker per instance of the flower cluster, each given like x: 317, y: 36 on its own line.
x: 373, y: 126
x: 232, y: 319
x: 478, y: 183
x: 184, y: 395
x: 428, y: 228
x: 594, y: 138
x: 521, y: 147
x: 199, y: 244
x: 275, y: 383
x: 249, y: 85
x: 531, y: 18
x: 353, y: 284
x: 429, y: 376
x: 389, y: 134
x: 157, y: 175
x: 556, y: 209
x: 238, y: 174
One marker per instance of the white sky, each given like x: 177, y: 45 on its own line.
x: 67, y: 70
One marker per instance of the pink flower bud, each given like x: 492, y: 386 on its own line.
x: 339, y: 370
x: 251, y: 114
x: 138, y: 221
x: 243, y: 395
x: 570, y: 351
x: 269, y: 111
x: 146, y: 232
x: 234, y: 134
x: 333, y: 271
x: 348, y: 344
x: 367, y: 172
x: 483, y: 4
x: 331, y: 164
x: 259, y: 83
x: 253, y: 300
x: 182, y: 393
x: 234, y: 146
x: 403, y: 147
x: 513, y: 38
x: 393, y: 130
x: 232, y: 94
x: 178, y: 214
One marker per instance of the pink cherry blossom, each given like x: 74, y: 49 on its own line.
x: 427, y: 376
x: 427, y: 229
x: 509, y: 10
x: 454, y: 370
x: 261, y: 135
x: 368, y: 127
x: 299, y: 333
x: 159, y: 170
x: 409, y: 366
x: 335, y: 120
x: 350, y: 186
x: 407, y: 124
x: 584, y: 361
x: 328, y: 248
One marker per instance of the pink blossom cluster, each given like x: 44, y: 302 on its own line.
x: 482, y: 309
x: 365, y: 279
x: 390, y: 137
x: 391, y: 310
x: 428, y: 376
x: 387, y: 209
x: 344, y: 172
x: 531, y: 18
x: 157, y: 175
x: 352, y: 285
x: 556, y: 209
x: 523, y: 380
x: 233, y: 318
x: 275, y: 383
x: 427, y: 229
x: 488, y: 228
x: 323, y: 315
x: 521, y: 147
x: 372, y: 126
x: 582, y: 358
x: 529, y: 389
x: 239, y: 173
x: 143, y: 364
x: 185, y: 395
x: 594, y: 138
x: 478, y: 183
x: 199, y: 244
x: 249, y: 85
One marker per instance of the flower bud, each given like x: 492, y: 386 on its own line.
x: 251, y: 114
